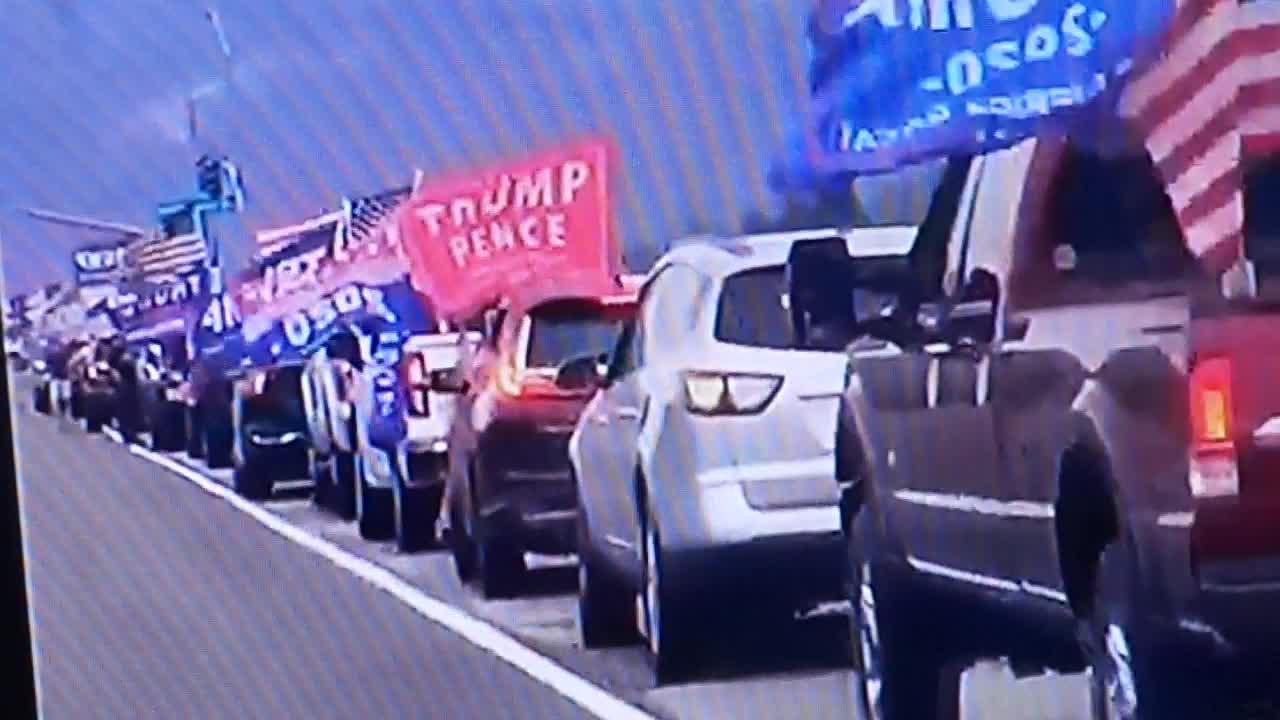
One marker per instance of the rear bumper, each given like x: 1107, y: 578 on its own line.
x: 1216, y: 605
x: 802, y: 568
x: 527, y: 486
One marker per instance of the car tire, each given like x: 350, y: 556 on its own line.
x: 342, y: 471
x: 217, y: 448
x: 93, y: 422
x: 1130, y: 677
x: 461, y: 544
x: 251, y: 479
x: 193, y: 439
x: 500, y: 567
x: 321, y: 474
x: 415, y: 512
x: 375, y: 507
x: 166, y: 436
x: 671, y: 630
x: 606, y: 606
x: 896, y: 649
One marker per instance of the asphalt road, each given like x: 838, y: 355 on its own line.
x: 152, y: 598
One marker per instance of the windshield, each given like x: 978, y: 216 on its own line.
x: 898, y: 198
x: 566, y: 330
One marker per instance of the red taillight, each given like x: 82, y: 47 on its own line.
x: 417, y: 384
x: 1214, y: 472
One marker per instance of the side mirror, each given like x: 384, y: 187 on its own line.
x: 580, y: 373
x: 1240, y: 281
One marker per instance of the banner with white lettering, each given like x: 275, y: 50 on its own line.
x: 99, y: 264
x: 894, y: 82
x: 471, y: 238
x: 143, y: 306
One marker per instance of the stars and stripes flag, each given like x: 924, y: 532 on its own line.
x: 154, y: 256
x: 1209, y: 102
x: 364, y: 215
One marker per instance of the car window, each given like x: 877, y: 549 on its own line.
x: 1107, y: 232
x: 752, y: 309
x: 567, y: 329
x: 1262, y: 219
x: 670, y: 311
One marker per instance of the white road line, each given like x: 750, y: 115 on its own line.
x: 572, y: 687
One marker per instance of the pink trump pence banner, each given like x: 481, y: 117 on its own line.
x: 472, y: 239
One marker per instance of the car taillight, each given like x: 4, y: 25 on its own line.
x: 717, y: 393
x: 417, y: 384
x: 1213, y: 468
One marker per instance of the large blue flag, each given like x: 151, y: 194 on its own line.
x: 894, y: 82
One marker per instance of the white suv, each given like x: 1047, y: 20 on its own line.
x: 704, y: 464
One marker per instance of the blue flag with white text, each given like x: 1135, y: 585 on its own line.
x: 895, y: 82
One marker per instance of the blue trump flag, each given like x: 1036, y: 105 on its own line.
x: 895, y: 82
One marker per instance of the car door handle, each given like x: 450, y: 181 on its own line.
x: 627, y: 413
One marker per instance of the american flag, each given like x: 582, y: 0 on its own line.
x: 1207, y: 104
x: 365, y: 214
x: 155, y: 256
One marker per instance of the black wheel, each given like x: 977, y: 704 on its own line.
x: 251, y: 480
x: 217, y: 447
x: 375, y: 508
x: 1131, y: 677
x: 75, y: 404
x: 500, y: 567
x: 167, y: 435
x: 606, y: 606
x: 193, y: 434
x: 40, y: 400
x: 461, y: 544
x: 899, y: 655
x: 342, y: 471
x: 670, y: 621
x: 321, y: 473
x: 416, y: 509
x: 93, y: 423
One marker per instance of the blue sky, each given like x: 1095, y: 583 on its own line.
x: 337, y: 97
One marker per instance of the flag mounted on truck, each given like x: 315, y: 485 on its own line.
x: 472, y: 237
x: 340, y: 269
x: 895, y: 82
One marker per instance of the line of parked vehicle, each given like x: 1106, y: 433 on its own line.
x: 1005, y: 429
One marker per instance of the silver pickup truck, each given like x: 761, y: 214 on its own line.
x: 391, y: 491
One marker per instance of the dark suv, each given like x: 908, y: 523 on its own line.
x: 269, y: 429
x: 510, y: 488
x: 1069, y: 460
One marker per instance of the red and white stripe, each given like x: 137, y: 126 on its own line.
x: 1210, y: 100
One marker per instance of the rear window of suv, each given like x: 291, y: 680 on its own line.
x: 753, y: 309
